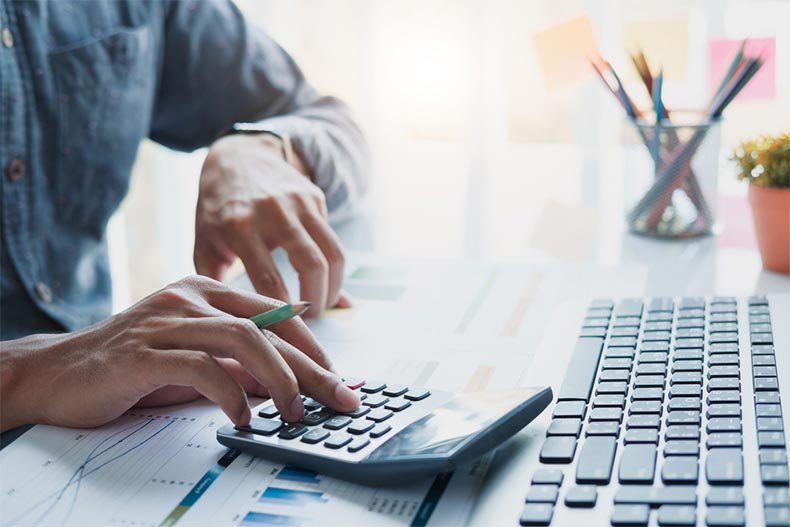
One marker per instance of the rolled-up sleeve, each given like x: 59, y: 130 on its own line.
x: 216, y: 69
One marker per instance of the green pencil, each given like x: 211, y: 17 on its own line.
x: 273, y: 316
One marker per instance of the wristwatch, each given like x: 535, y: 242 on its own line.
x: 255, y: 128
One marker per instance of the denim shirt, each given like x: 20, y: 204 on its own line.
x: 82, y: 83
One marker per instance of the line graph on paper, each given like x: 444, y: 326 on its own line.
x: 69, y: 477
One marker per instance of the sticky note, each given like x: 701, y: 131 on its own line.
x: 735, y: 217
x: 720, y: 54
x: 665, y: 43
x: 565, y: 51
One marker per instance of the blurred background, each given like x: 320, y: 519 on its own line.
x: 491, y: 138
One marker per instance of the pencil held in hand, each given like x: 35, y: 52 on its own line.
x: 273, y: 316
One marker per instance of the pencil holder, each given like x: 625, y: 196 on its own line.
x: 671, y: 174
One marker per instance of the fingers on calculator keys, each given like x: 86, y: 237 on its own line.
x: 337, y: 422
x: 293, y: 431
x: 316, y: 418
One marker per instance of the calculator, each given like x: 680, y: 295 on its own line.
x: 398, y: 433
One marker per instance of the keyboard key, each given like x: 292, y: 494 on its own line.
x: 397, y: 405
x: 723, y: 317
x: 395, y: 390
x: 611, y: 388
x: 615, y: 375
x: 685, y: 390
x: 724, y: 359
x: 637, y: 463
x: 611, y: 400
x: 723, y: 327
x: 596, y: 322
x: 645, y: 407
x: 269, y: 412
x: 614, y: 364
x: 685, y: 403
x: 776, y: 497
x: 595, y: 460
x: 602, y: 303
x: 684, y: 417
x: 725, y: 496
x: 729, y: 336
x: 373, y: 387
x: 380, y: 430
x: 691, y: 313
x: 682, y: 432
x: 777, y: 516
x: 767, y: 398
x: 724, y: 466
x: 536, y: 514
x: 629, y: 307
x: 771, y: 439
x: 766, y: 384
x: 623, y: 322
x: 773, y: 456
x: 643, y: 421
x: 316, y: 435
x: 581, y: 496
x: 264, y: 427
x: 417, y: 394
x: 763, y: 360
x: 653, y: 356
x: 724, y: 347
x: 581, y: 370
x: 292, y: 431
x: 649, y: 381
x: 379, y: 415
x: 624, y: 332
x: 543, y: 494
x: 770, y: 424
x: 354, y: 383
x: 565, y: 427
x: 764, y: 371
x: 658, y: 326
x: 622, y: 342
x: 654, y: 346
x: 686, y: 365
x: 651, y: 368
x: 374, y: 401
x: 686, y: 377
x: 758, y: 300
x: 642, y: 435
x: 688, y: 354
x: 692, y: 302
x: 681, y: 448
x: 689, y: 344
x: 661, y: 304
x: 647, y: 394
x: 724, y: 383
x: 690, y: 333
x: 724, y: 410
x: 606, y: 414
x: 570, y: 409
x: 725, y: 517
x: 682, y: 470
x: 360, y: 427
x: 677, y: 515
x: 724, y: 396
x: 656, y: 496
x: 358, y: 444
x: 558, y: 449
x: 657, y: 336
x: 768, y: 410
x: 337, y: 422
x: 690, y: 322
x: 359, y: 412
x: 724, y: 371
x: 762, y: 338
x: 762, y: 349
x: 631, y: 515
x: 316, y: 418
x: 603, y: 428
x: 774, y: 474
x: 620, y: 353
x: 723, y: 424
x: 311, y: 404
x: 659, y: 317
x: 724, y: 440
x: 547, y: 476
x: 338, y: 440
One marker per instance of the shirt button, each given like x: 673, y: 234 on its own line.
x: 15, y: 170
x: 43, y: 292
x: 8, y: 38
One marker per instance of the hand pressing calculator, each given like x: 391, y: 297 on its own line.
x: 398, y: 433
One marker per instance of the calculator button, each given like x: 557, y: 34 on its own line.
x: 373, y: 386
x: 262, y: 426
x: 358, y: 444
x: 316, y: 418
x: 374, y: 401
x: 380, y: 430
x: 396, y: 405
x: 338, y: 440
x: 359, y: 412
x: 311, y: 404
x: 355, y: 383
x: 337, y: 422
x: 417, y: 394
x: 293, y: 431
x: 379, y: 415
x: 269, y: 412
x: 316, y: 435
x: 394, y: 390
x: 360, y: 427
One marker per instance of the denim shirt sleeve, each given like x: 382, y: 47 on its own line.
x: 217, y: 70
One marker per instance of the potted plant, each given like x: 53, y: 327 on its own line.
x: 765, y: 163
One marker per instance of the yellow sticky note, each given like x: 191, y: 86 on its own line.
x: 665, y: 43
x: 565, y: 51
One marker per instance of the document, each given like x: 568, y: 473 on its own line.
x: 452, y: 325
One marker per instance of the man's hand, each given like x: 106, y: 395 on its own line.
x: 251, y: 202
x: 191, y: 338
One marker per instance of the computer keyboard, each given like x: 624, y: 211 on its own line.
x: 653, y: 404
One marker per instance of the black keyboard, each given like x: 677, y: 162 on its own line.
x: 652, y: 404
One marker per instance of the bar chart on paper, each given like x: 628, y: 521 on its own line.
x: 138, y: 469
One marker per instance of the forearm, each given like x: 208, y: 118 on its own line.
x: 17, y: 368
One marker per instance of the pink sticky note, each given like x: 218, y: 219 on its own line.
x: 735, y: 216
x: 720, y: 54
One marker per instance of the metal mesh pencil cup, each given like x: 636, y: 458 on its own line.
x: 671, y: 178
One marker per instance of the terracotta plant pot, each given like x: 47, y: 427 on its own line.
x: 771, y: 212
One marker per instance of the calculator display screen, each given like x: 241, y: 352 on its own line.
x: 445, y: 428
